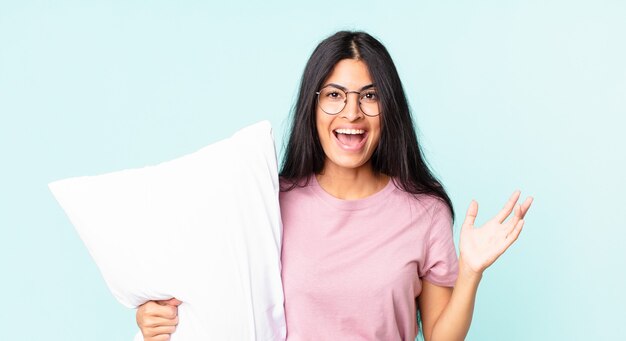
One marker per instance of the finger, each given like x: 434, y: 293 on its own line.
x: 471, y: 214
x: 512, y: 237
x: 161, y: 330
x: 508, y: 207
x: 517, y: 216
x: 159, y: 310
x: 154, y: 322
x: 526, y: 205
x: 162, y: 337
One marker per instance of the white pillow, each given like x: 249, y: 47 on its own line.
x: 204, y: 228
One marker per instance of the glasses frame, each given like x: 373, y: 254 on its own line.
x: 347, y: 92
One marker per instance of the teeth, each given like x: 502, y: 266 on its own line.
x: 350, y: 131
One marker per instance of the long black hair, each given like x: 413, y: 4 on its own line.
x: 398, y: 153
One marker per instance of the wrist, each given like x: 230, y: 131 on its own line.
x: 466, y: 272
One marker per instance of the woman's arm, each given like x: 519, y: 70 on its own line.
x: 447, y: 313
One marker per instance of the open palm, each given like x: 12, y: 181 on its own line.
x: 480, y: 247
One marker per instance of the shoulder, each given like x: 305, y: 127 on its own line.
x: 430, y: 205
x: 290, y: 189
x: 436, y: 218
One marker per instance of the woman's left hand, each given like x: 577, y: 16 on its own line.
x: 480, y: 247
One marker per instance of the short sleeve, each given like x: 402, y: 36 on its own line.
x: 440, y: 265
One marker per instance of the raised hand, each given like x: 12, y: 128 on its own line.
x: 480, y: 247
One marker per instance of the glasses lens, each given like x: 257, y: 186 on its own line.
x: 332, y: 100
x: 369, y: 102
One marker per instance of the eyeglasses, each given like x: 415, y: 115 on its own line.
x: 332, y: 100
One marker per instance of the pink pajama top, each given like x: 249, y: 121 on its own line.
x: 352, y: 269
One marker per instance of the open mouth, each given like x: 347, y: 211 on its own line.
x: 350, y: 138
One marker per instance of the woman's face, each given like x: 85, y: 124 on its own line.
x: 350, y: 137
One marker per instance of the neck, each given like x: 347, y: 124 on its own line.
x: 350, y: 184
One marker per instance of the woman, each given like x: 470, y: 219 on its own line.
x: 367, y: 228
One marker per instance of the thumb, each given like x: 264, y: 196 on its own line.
x: 470, y: 216
x: 172, y: 301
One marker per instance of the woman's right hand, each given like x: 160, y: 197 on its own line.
x: 158, y: 319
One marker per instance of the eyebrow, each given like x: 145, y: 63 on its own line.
x: 346, y: 89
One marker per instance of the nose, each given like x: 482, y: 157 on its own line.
x: 352, y: 110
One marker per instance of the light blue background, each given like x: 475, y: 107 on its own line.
x: 506, y: 94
